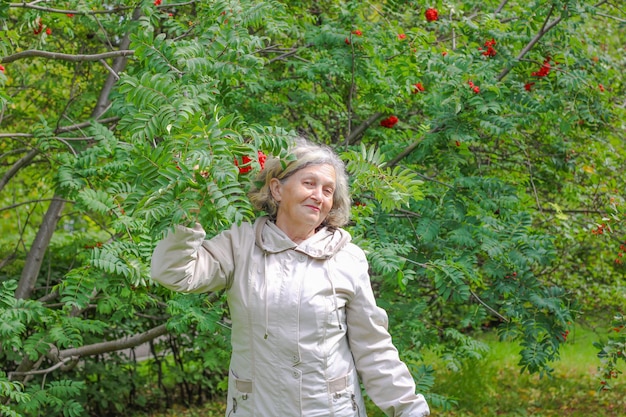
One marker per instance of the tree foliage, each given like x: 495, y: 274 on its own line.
x: 484, y: 142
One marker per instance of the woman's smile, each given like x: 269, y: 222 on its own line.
x: 305, y: 199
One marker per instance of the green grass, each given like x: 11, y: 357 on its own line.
x: 494, y: 386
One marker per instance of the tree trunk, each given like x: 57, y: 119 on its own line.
x: 38, y: 249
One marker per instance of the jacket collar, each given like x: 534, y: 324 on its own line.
x: 324, y: 244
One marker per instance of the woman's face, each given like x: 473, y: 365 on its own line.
x: 305, y: 198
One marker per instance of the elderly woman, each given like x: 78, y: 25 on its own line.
x: 305, y: 325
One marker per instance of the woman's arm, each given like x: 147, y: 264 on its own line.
x: 386, y: 378
x: 182, y: 261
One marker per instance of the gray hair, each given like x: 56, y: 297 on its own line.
x: 301, y: 155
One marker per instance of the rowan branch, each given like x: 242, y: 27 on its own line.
x: 291, y: 52
x: 545, y: 28
x: 79, y: 126
x: 404, y: 153
x: 608, y: 16
x: 103, y: 103
x: 501, y: 6
x: 545, y: 22
x: 41, y: 371
x: 494, y: 312
x: 31, y: 53
x: 22, y: 162
x: 65, y: 129
x: 64, y: 11
x: 111, y: 70
x: 34, y: 258
x: 74, y: 354
x: 126, y: 342
x: 351, y: 93
x: 409, y: 149
x: 356, y: 133
x: 573, y: 211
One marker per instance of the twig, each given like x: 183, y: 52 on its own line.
x: 114, y: 345
x: 350, y: 94
x: 545, y: 22
x: 42, y: 371
x: 530, y: 177
x: 404, y: 153
x: 356, y: 133
x: 426, y: 266
x: 545, y: 28
x: 65, y: 129
x: 285, y: 55
x: 63, y: 11
x: 111, y: 70
x: 431, y: 179
x: 500, y: 316
x: 65, y: 57
x: 453, y: 33
x: 22, y: 162
x: 409, y: 149
x: 501, y: 6
x: 12, y: 206
x: 611, y: 17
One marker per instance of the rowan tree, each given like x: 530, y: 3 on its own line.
x: 484, y: 141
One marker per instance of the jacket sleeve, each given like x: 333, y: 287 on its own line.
x: 386, y: 378
x: 185, y: 261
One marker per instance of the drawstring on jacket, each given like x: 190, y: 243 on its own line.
x: 332, y: 286
x: 326, y: 258
x: 329, y: 275
x: 259, y: 239
x: 267, y: 303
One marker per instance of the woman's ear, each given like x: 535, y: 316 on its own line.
x: 275, y: 189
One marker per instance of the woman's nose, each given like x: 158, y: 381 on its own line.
x: 316, y: 193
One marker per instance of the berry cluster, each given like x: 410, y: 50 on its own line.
x: 417, y: 88
x: 431, y: 14
x: 389, y: 122
x: 40, y: 27
x: 620, y: 254
x: 490, y: 51
x: 544, y: 70
x: 600, y: 229
x: 246, y: 165
x: 474, y: 87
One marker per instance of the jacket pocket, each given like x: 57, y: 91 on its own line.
x: 343, y: 398
x: 239, y: 397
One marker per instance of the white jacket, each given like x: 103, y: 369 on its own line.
x: 305, y: 324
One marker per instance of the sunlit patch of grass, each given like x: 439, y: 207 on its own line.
x: 494, y: 386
